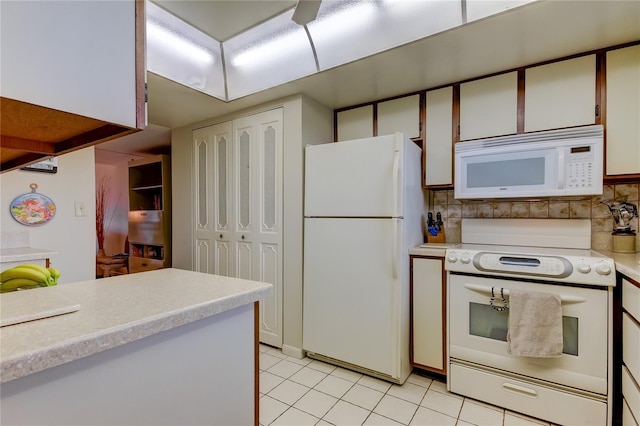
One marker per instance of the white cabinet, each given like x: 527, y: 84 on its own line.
x: 400, y: 115
x: 623, y: 110
x: 438, y: 143
x: 355, y: 123
x: 489, y: 106
x: 72, y: 74
x: 630, y: 352
x: 560, y: 94
x: 238, y: 213
x: 428, y: 295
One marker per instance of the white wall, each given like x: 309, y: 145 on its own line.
x: 73, y: 237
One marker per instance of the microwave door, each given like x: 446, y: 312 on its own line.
x: 510, y: 174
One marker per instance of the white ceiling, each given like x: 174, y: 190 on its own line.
x: 539, y: 31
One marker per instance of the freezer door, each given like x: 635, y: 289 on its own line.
x: 351, y: 298
x: 359, y: 178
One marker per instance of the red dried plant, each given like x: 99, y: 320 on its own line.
x: 102, y: 205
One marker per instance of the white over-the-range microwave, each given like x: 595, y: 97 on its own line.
x: 566, y: 162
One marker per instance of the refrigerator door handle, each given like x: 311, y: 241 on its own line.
x: 396, y: 249
x: 396, y: 181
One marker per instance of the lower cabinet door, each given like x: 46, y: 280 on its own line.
x: 428, y: 314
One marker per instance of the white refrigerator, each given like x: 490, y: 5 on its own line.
x: 364, y: 205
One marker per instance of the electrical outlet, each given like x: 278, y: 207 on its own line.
x: 80, y: 208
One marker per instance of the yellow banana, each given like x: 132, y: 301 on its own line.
x: 15, y: 283
x: 20, y: 272
x: 55, y: 273
x: 37, y: 267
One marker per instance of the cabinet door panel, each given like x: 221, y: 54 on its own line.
x: 400, y: 115
x: 213, y: 189
x: 428, y: 336
x: 489, y: 106
x: 222, y: 258
x: 623, y: 110
x: 49, y: 57
x: 271, y: 308
x: 438, y: 143
x: 203, y: 256
x: 355, y: 123
x: 561, y: 94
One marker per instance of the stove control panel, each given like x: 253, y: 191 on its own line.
x: 581, y: 270
x: 550, y: 266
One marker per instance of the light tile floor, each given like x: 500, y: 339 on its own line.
x: 301, y: 392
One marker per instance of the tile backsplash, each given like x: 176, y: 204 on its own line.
x: 589, y: 208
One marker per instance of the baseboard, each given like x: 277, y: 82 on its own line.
x: 293, y: 351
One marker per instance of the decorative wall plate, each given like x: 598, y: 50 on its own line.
x: 32, y: 208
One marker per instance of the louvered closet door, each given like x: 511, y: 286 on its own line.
x: 258, y: 212
x: 213, y: 209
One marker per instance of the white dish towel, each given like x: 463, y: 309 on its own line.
x: 535, y: 324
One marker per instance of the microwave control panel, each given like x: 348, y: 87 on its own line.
x: 580, y: 166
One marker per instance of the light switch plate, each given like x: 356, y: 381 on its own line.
x: 80, y: 208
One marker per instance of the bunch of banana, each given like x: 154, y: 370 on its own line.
x: 28, y: 275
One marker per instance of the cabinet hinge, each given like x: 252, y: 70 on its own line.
x: 146, y: 92
x: 597, y: 110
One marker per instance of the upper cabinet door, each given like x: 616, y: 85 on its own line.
x: 355, y: 123
x: 400, y: 115
x: 623, y: 110
x: 438, y: 143
x: 75, y: 56
x: 560, y: 94
x: 489, y: 106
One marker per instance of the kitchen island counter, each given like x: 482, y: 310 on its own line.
x: 139, y: 337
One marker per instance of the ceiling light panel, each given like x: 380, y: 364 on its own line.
x: 180, y: 52
x: 273, y: 53
x: 349, y: 30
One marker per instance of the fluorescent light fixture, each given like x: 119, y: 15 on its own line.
x: 340, y: 21
x: 177, y: 44
x: 182, y: 53
x: 285, y: 45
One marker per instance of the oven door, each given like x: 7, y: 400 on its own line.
x: 477, y: 332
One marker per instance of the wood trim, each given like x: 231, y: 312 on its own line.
x: 455, y: 130
x: 622, y: 179
x: 141, y: 66
x: 422, y: 118
x: 601, y: 89
x: 444, y: 316
x: 256, y: 363
x: 92, y: 137
x: 411, y: 360
x: 374, y: 107
x: 31, y: 145
x: 521, y: 101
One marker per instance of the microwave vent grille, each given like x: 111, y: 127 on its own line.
x: 574, y: 133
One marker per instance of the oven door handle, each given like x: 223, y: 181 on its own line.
x: 487, y: 291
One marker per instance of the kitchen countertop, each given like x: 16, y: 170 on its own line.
x: 115, y: 311
x: 431, y: 249
x: 24, y: 253
x: 626, y: 263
